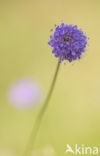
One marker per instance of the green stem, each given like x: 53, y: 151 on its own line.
x: 40, y: 116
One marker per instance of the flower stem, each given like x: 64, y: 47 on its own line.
x: 39, y: 118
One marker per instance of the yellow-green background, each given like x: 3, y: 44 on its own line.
x: 73, y: 115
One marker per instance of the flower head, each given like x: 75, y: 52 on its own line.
x: 68, y: 42
x: 25, y: 93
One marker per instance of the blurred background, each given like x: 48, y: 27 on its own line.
x: 73, y: 114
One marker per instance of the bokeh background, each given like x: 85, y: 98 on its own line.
x: 73, y: 114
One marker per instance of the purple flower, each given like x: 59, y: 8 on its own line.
x: 25, y: 93
x: 68, y: 42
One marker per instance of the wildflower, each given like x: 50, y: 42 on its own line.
x: 68, y: 42
x: 25, y: 93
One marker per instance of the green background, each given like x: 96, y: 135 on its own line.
x: 73, y: 114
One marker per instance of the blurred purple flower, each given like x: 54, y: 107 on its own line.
x: 25, y: 93
x: 68, y: 42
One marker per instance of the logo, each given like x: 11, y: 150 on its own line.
x: 86, y: 150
